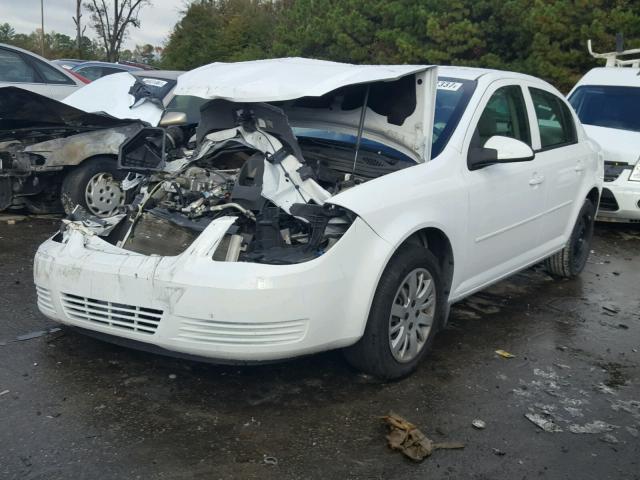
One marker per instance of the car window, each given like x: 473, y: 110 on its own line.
x: 504, y: 115
x: 13, y: 68
x: 452, y: 97
x: 109, y: 70
x: 92, y: 73
x: 554, y: 119
x: 51, y: 75
x: 611, y: 107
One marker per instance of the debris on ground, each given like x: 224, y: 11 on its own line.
x: 270, y: 460
x: 36, y: 334
x: 608, y: 438
x: 597, y: 426
x: 545, y: 424
x: 4, y: 392
x: 497, y: 451
x: 602, y: 388
x: 406, y: 437
x: 505, y: 354
x: 479, y: 424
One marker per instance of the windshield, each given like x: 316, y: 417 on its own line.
x: 452, y: 97
x: 606, y: 106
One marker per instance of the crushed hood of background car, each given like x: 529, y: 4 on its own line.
x: 123, y: 95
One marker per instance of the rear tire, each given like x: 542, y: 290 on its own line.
x: 570, y: 261
x: 95, y: 186
x: 408, y: 307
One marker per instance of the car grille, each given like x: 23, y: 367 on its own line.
x: 242, y: 334
x: 612, y: 170
x: 44, y: 300
x: 116, y: 315
x: 608, y: 201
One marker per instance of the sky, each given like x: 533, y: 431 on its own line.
x: 156, y: 20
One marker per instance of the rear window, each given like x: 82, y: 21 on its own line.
x: 51, y: 75
x: 605, y: 106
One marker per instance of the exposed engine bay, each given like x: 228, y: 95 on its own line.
x: 248, y: 174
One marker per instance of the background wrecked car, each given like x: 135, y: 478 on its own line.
x: 55, y: 155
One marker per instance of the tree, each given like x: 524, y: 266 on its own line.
x: 79, y: 30
x: 6, y: 33
x: 112, y: 20
x: 222, y: 30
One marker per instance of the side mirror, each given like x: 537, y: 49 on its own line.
x: 171, y: 119
x: 499, y: 149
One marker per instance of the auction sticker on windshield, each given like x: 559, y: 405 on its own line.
x: 451, y: 86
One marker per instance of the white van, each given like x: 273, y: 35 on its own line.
x: 607, y: 101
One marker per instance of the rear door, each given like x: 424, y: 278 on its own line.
x: 506, y: 201
x: 562, y: 159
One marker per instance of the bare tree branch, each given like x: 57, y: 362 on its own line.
x: 111, y: 20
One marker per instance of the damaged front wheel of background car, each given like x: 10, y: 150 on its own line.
x: 94, y: 185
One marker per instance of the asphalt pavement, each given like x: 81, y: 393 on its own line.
x: 567, y: 405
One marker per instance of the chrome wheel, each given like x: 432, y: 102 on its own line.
x: 412, y: 314
x: 103, y: 195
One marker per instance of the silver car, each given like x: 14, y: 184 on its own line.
x: 24, y: 69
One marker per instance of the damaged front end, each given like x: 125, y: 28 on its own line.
x: 246, y: 188
x: 258, y: 183
x: 40, y: 138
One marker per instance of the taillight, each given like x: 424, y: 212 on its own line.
x: 79, y: 77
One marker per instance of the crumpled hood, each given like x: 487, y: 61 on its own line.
x: 24, y: 110
x: 328, y: 95
x: 617, y: 145
x: 112, y: 95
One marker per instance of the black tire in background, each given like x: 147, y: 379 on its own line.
x: 94, y: 185
x: 570, y: 261
x: 373, y: 354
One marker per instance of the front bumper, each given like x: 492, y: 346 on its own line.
x: 221, y: 310
x: 620, y: 201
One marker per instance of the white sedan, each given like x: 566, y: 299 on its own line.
x: 326, y: 206
x: 24, y: 69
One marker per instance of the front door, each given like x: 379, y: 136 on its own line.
x: 506, y: 201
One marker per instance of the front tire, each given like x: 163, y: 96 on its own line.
x: 94, y: 185
x: 408, y: 306
x: 570, y: 261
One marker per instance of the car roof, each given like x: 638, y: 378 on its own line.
x: 474, y: 73
x: 97, y: 63
x: 163, y: 74
x: 615, y: 76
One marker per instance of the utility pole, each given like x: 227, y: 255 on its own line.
x: 42, y: 25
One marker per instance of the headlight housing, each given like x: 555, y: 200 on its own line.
x: 635, y: 173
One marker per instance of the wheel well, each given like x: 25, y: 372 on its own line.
x: 594, y: 196
x: 438, y: 244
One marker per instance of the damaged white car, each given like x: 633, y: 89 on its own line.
x: 325, y: 206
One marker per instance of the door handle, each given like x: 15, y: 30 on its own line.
x: 579, y: 168
x: 536, y: 180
